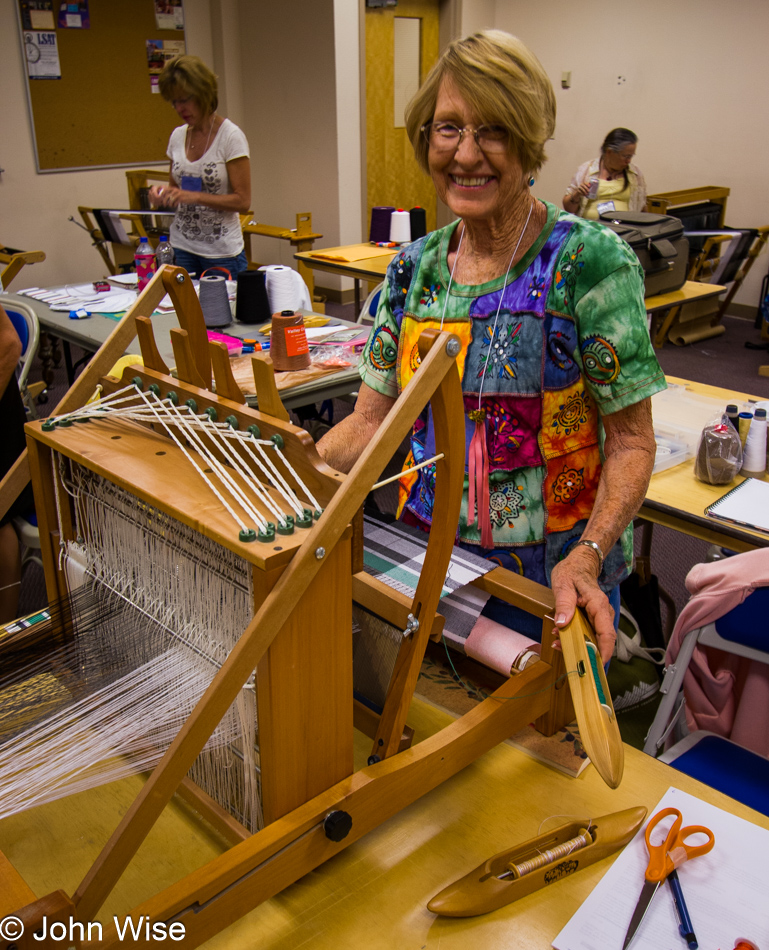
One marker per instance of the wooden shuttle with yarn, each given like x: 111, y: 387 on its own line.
x: 531, y: 865
x: 157, y: 502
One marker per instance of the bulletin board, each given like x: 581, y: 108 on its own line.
x: 102, y: 112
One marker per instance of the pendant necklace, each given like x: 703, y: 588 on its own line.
x: 478, y: 456
x: 208, y: 140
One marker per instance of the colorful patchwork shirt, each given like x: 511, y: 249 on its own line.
x: 571, y: 343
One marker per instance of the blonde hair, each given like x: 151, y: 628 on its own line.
x: 191, y: 76
x: 504, y: 84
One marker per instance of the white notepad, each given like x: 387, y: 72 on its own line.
x: 747, y: 504
x: 725, y: 890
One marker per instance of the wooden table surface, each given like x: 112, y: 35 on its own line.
x: 372, y: 268
x: 691, y: 290
x: 373, y: 895
x: 676, y: 499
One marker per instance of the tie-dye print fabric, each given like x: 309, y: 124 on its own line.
x: 571, y: 342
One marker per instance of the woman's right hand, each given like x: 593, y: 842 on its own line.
x: 573, y: 197
x: 581, y: 191
x: 156, y: 195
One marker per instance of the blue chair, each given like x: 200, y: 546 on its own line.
x: 25, y: 322
x: 712, y: 759
x: 369, y: 308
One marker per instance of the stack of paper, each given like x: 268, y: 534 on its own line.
x: 725, y: 890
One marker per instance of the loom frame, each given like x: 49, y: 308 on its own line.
x: 299, y: 836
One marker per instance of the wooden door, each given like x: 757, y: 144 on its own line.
x: 393, y: 176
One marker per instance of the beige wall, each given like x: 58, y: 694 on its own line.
x: 687, y: 76
x: 34, y: 208
x: 280, y: 80
x: 289, y: 115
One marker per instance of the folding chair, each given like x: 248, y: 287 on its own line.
x: 369, y: 308
x: 698, y: 682
x: 25, y: 322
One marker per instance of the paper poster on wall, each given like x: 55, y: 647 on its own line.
x: 74, y: 16
x: 42, y: 55
x: 169, y: 15
x: 36, y: 14
x: 159, y: 52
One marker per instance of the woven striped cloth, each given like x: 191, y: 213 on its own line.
x: 395, y: 553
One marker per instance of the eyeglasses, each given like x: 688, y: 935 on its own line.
x: 181, y: 102
x: 445, y: 136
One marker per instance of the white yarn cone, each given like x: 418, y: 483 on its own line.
x: 400, y: 227
x: 285, y: 289
x: 754, y: 453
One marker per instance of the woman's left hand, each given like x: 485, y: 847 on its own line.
x: 172, y: 196
x: 575, y: 584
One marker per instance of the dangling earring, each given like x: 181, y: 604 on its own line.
x: 531, y: 181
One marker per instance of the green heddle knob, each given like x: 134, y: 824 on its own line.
x: 248, y: 534
x: 212, y: 414
x: 192, y: 405
x: 255, y: 431
x: 138, y: 382
x: 304, y: 520
x: 154, y: 388
x: 288, y: 527
x: 268, y: 535
x: 173, y: 397
x: 277, y: 441
x: 232, y: 421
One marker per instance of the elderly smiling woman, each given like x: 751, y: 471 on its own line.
x: 557, y: 367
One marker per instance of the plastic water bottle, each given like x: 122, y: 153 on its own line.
x: 144, y: 261
x: 164, y: 253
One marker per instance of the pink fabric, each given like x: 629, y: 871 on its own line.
x: 478, y: 476
x: 725, y: 694
x: 496, y: 646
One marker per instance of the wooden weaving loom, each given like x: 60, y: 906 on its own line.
x: 312, y: 801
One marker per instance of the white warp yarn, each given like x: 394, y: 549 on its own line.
x: 286, y: 290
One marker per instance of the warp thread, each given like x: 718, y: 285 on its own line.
x: 380, y: 224
x: 252, y: 304
x: 286, y: 289
x: 289, y: 349
x: 213, y: 298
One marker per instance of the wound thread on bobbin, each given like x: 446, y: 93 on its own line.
x: 289, y: 348
x: 379, y: 231
x: 214, y: 301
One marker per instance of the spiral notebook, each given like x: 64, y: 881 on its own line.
x: 747, y: 505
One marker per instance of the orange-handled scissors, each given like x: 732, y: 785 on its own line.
x: 664, y: 858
